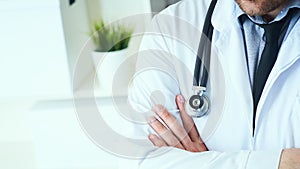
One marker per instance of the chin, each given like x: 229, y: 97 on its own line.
x: 260, y: 7
x: 250, y: 7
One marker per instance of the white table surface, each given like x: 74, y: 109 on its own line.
x: 47, y: 135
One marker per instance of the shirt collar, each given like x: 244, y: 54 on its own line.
x: 259, y: 20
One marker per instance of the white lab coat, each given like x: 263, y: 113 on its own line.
x: 229, y: 138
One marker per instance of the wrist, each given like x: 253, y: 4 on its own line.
x: 290, y: 159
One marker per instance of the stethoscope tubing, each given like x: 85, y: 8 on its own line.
x: 201, y: 69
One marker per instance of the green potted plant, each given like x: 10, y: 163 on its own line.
x: 109, y: 38
x: 110, y: 51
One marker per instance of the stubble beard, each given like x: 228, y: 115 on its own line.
x: 260, y: 7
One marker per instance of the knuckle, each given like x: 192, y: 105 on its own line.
x: 165, y: 114
x: 161, y: 128
x: 185, y: 140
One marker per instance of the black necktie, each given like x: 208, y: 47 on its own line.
x: 274, y: 34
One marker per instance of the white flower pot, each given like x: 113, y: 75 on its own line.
x: 114, y: 70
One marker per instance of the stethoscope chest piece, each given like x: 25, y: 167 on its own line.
x: 198, y: 104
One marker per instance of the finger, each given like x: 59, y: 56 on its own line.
x: 156, y: 141
x: 164, y: 133
x: 188, y: 122
x: 173, y: 125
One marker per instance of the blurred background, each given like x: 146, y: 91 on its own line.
x: 40, y: 42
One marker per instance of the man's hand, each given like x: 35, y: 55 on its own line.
x: 290, y: 159
x: 184, y: 137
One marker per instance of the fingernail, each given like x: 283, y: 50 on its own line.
x: 151, y: 136
x: 158, y: 108
x: 180, y: 99
x: 152, y: 119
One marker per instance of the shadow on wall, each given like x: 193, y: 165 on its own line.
x: 158, y: 5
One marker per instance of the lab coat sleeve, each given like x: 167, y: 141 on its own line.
x: 156, y: 82
x: 178, y: 159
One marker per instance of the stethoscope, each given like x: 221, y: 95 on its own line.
x: 199, y: 102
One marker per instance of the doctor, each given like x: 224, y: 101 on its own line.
x: 253, y: 86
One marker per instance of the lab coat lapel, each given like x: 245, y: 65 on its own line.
x: 230, y: 46
x: 232, y: 56
x: 289, y: 53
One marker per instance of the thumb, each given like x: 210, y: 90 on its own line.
x: 180, y: 101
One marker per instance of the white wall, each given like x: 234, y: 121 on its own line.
x: 37, y: 51
x: 33, y: 65
x: 76, y: 29
x: 33, y: 59
x: 112, y: 10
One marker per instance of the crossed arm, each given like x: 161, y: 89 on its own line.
x: 186, y: 136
